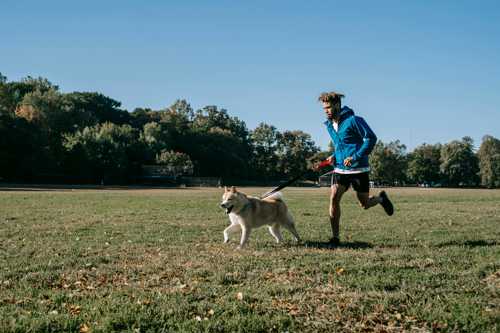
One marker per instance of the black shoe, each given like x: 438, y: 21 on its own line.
x: 386, y: 203
x: 334, y: 241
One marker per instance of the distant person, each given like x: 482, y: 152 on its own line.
x: 353, y: 141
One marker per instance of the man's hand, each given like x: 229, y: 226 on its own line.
x: 329, y: 161
x: 348, y: 161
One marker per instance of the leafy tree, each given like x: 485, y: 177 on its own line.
x: 45, y: 108
x: 294, y: 150
x: 141, y: 116
x: 211, y: 117
x: 98, y: 107
x: 38, y: 84
x: 217, y: 143
x: 459, y: 164
x: 489, y: 161
x: 388, y: 163
x: 218, y: 152
x: 12, y: 93
x: 25, y: 148
x: 48, y: 110
x: 22, y: 149
x: 423, y: 164
x: 4, y: 96
x: 177, y: 163
x: 177, y: 121
x: 156, y: 135
x: 183, y: 108
x: 105, y: 151
x: 265, y: 139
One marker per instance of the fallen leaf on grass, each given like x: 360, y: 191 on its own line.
x: 144, y: 302
x: 84, y: 328
x: 74, y: 309
x: 292, y: 308
x: 340, y: 271
x: 239, y: 296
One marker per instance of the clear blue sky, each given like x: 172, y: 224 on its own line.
x: 418, y: 71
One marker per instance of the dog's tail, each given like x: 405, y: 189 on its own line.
x: 278, y: 196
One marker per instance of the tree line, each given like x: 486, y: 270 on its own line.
x: 452, y: 164
x: 87, y: 137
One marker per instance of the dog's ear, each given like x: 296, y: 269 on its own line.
x: 225, y: 189
x: 233, y: 189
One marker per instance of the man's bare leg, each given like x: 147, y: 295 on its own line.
x: 366, y: 201
x: 337, y: 191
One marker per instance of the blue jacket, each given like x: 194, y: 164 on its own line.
x: 354, y: 138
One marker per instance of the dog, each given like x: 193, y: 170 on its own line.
x: 246, y: 213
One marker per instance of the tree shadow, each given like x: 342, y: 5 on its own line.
x: 469, y: 243
x: 342, y: 245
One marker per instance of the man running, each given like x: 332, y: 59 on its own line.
x: 353, y: 141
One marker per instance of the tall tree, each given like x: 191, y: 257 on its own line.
x: 175, y: 163
x: 265, y: 139
x: 423, y: 164
x: 4, y: 96
x: 183, y: 108
x: 105, y: 151
x: 489, y: 161
x: 46, y: 110
x: 156, y: 137
x: 294, y: 150
x: 211, y: 117
x: 101, y: 108
x: 12, y: 93
x: 217, y: 143
x: 388, y: 163
x: 141, y: 116
x: 459, y: 164
x: 22, y: 149
x: 177, y: 121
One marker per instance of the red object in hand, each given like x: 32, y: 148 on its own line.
x: 324, y: 163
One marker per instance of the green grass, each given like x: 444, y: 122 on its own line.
x: 152, y: 261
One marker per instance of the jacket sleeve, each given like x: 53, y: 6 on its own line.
x: 369, y: 138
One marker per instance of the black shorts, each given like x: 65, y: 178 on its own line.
x: 360, y: 181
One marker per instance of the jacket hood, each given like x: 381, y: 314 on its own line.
x: 345, y: 112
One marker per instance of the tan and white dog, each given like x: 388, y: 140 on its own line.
x: 247, y: 213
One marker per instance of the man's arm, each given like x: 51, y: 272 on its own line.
x: 369, y: 138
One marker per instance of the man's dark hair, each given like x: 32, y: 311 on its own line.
x: 331, y: 97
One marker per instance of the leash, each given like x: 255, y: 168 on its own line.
x: 282, y: 186
x: 291, y: 181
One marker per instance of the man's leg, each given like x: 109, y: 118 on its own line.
x: 366, y: 201
x: 361, y: 184
x: 337, y: 190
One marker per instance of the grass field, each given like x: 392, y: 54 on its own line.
x: 153, y: 260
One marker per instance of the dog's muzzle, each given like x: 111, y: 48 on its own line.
x: 227, y: 207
